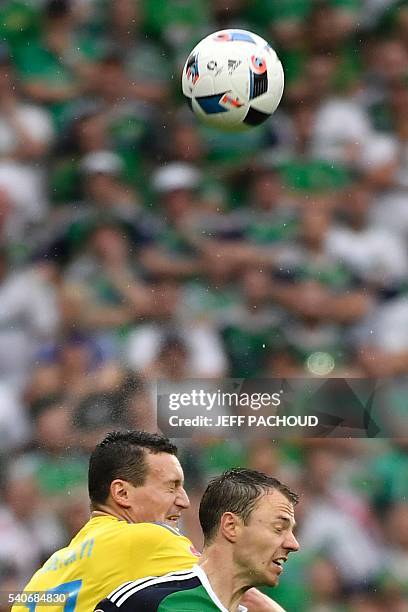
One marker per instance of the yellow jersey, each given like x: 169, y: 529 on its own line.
x: 105, y: 553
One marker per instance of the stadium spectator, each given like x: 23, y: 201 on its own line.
x: 15, y: 429
x: 383, y: 345
x: 174, y: 253
x: 28, y: 518
x: 346, y: 536
x: 108, y: 281
x: 56, y: 65
x: 26, y: 136
x: 374, y: 255
x: 25, y: 323
x: 147, y: 68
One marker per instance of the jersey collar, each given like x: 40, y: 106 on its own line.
x: 200, y: 573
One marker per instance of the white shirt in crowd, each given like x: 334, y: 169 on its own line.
x: 374, y: 254
x: 28, y: 316
x: 24, y: 181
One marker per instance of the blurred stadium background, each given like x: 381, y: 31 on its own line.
x: 135, y: 244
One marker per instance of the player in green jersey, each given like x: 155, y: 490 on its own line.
x: 247, y: 519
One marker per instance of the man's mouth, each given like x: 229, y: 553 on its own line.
x: 174, y: 518
x: 280, y: 561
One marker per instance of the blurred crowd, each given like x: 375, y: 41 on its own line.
x: 136, y: 244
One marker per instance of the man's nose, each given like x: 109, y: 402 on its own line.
x: 291, y: 543
x: 182, y: 499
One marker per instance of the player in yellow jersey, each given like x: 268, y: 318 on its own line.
x: 134, y: 478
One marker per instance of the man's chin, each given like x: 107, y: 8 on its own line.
x: 272, y: 579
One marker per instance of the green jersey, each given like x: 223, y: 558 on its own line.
x: 184, y: 591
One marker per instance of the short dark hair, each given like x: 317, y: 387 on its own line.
x: 237, y: 491
x: 122, y: 454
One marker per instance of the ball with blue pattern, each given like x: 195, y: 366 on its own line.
x: 233, y: 80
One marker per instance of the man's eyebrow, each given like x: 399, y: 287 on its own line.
x: 175, y: 481
x: 285, y: 519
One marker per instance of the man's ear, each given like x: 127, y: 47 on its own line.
x: 119, y: 492
x: 230, y: 526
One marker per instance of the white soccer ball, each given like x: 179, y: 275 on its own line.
x: 233, y: 80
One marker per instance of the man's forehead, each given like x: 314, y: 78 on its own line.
x: 276, y: 504
x: 164, y: 464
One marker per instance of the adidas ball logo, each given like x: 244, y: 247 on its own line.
x: 233, y: 65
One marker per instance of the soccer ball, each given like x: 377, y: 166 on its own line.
x: 233, y: 80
